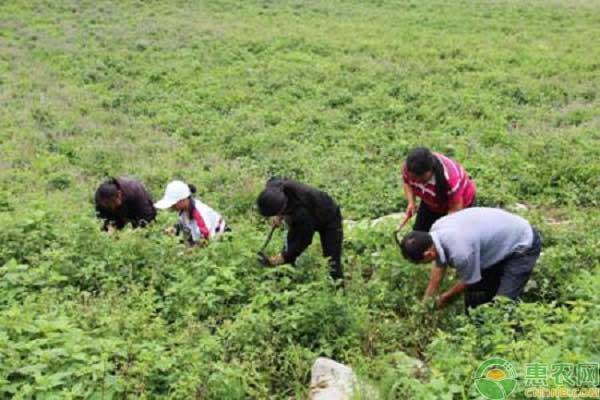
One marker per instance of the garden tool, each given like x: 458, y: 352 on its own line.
x: 397, y: 231
x: 262, y: 257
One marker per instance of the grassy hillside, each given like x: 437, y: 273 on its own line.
x: 225, y: 94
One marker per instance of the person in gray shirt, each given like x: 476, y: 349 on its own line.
x: 492, y: 250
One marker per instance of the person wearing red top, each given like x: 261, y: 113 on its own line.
x: 441, y: 183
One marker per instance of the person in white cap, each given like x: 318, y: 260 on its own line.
x: 198, y: 222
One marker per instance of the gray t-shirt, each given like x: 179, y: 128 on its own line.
x: 476, y: 238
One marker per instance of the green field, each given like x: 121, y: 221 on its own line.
x: 225, y: 94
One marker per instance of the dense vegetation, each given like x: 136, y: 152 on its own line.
x: 334, y: 93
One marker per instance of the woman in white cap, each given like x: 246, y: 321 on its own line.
x: 199, y: 222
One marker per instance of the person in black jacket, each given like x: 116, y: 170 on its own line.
x: 305, y: 210
x: 120, y: 201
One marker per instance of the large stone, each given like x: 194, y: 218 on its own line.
x: 372, y: 223
x: 397, y: 217
x: 331, y: 380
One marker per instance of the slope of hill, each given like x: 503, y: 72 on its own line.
x: 225, y: 94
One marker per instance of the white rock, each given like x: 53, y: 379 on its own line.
x: 394, y: 217
x: 331, y: 380
x: 367, y: 223
x: 520, y: 206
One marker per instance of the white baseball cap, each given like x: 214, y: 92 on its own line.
x: 176, y: 190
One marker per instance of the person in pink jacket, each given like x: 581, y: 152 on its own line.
x: 441, y: 183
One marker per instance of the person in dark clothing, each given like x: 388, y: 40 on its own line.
x: 305, y: 210
x: 120, y: 201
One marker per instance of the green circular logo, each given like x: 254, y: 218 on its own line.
x: 496, y: 379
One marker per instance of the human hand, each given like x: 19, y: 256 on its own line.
x: 277, y: 221
x: 404, y: 221
x: 200, y: 243
x: 276, y: 260
x: 441, y: 302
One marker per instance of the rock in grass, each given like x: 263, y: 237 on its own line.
x: 520, y: 207
x: 331, y: 380
x: 396, y: 217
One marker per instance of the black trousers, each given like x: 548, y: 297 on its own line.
x: 332, y: 237
x: 426, y: 218
x: 507, y: 278
x: 331, y: 242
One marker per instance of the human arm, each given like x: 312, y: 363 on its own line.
x: 435, y: 280
x: 448, y: 296
x: 300, y: 235
x: 409, y: 194
x: 468, y: 269
x: 456, y: 205
x: 141, y: 206
x: 411, y: 208
x: 111, y: 222
x: 457, y: 184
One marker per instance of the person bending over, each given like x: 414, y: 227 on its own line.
x: 305, y: 210
x: 441, y: 183
x: 120, y: 201
x: 492, y: 250
x: 198, y: 222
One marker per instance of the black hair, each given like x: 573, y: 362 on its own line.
x: 192, y: 205
x: 107, y: 190
x: 414, y: 244
x: 421, y: 160
x: 271, y: 201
